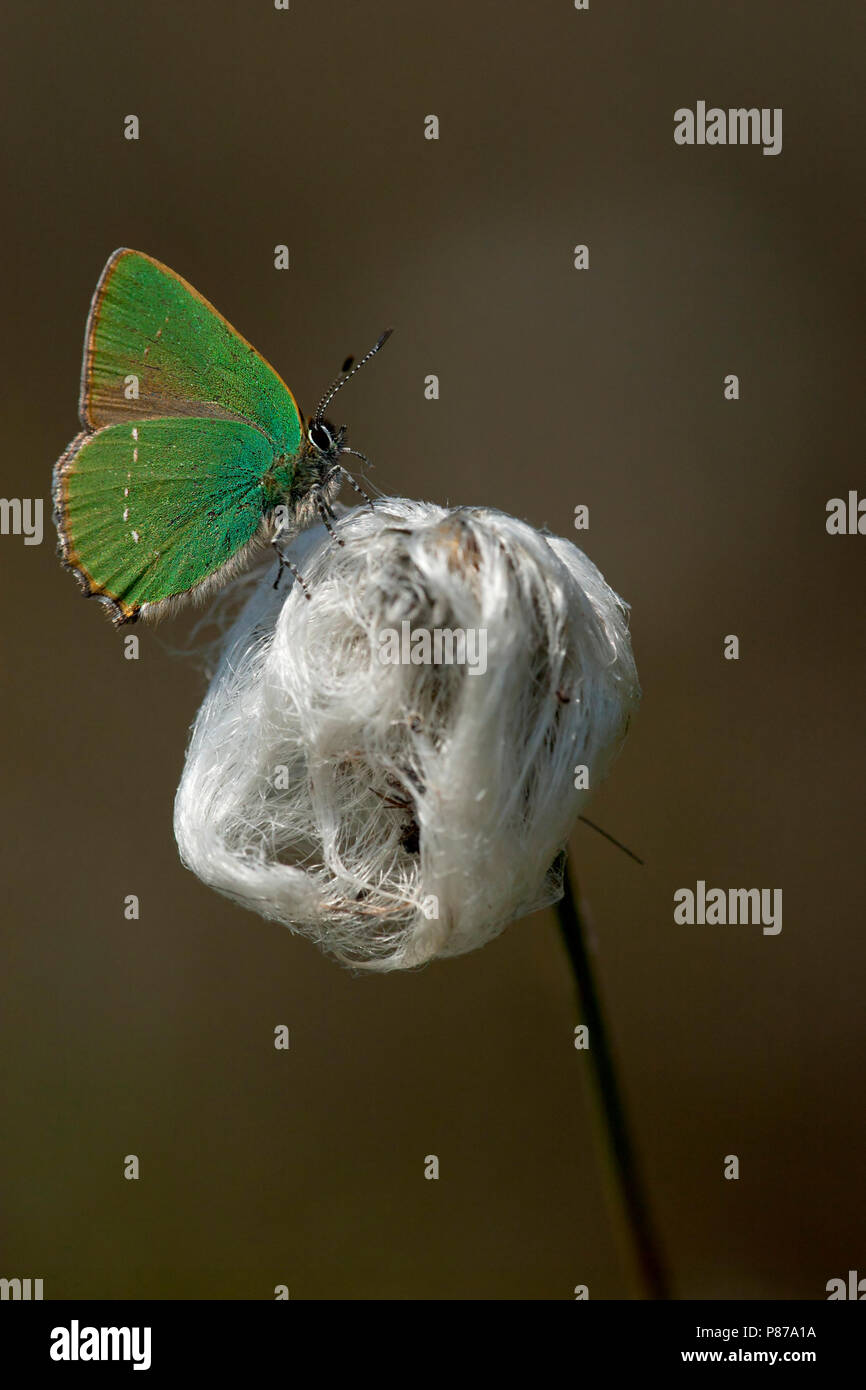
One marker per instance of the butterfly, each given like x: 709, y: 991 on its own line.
x: 193, y: 451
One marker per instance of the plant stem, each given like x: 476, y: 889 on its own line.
x: 614, y: 1123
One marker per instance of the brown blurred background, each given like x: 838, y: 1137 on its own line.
x: 558, y: 387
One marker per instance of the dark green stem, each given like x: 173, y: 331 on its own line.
x: 624, y: 1161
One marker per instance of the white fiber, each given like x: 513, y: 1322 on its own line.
x: 396, y: 812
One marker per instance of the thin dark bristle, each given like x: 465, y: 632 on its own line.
x: 625, y: 849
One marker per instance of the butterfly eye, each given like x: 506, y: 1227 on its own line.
x: 321, y: 437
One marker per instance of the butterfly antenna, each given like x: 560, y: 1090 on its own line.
x: 345, y: 376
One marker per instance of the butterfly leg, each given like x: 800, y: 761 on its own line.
x: 357, y: 486
x: 357, y: 453
x: 299, y: 578
x: 283, y: 563
x: 328, y: 515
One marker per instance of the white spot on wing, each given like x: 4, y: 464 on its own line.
x: 136, y: 537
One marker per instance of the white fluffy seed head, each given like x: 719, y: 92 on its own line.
x: 391, y: 811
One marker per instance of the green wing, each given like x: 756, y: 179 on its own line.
x: 148, y: 323
x: 148, y: 510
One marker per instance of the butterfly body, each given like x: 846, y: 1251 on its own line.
x: 193, y: 453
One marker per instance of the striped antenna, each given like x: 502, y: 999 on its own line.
x: 346, y: 376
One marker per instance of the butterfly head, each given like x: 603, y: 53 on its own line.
x: 325, y: 441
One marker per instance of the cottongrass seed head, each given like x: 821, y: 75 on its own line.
x: 346, y: 778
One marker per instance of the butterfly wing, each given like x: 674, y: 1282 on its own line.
x: 147, y: 511
x: 155, y: 347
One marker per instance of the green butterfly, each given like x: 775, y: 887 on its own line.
x: 193, y: 452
